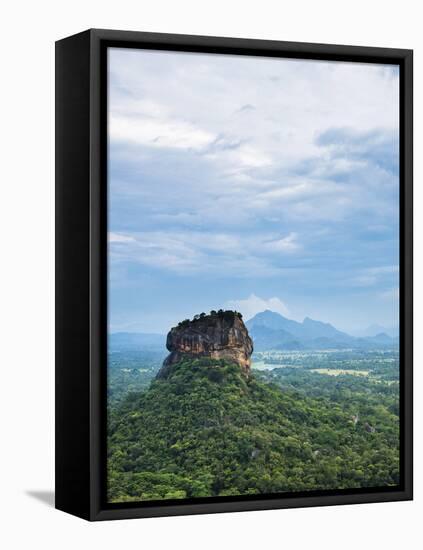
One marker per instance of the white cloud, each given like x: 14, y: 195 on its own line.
x: 157, y: 249
x: 205, y: 252
x: 292, y: 191
x: 254, y: 304
x: 364, y: 280
x: 120, y: 238
x: 391, y: 294
x: 232, y: 140
x: 218, y: 170
x: 158, y: 132
x: 285, y: 244
x: 274, y: 109
x: 373, y: 275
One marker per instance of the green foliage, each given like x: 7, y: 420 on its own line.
x: 227, y: 315
x: 131, y: 371
x: 208, y: 431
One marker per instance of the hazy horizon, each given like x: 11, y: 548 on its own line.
x: 251, y: 184
x: 375, y: 328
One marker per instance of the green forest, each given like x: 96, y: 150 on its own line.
x: 207, y: 430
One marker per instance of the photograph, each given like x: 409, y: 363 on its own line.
x: 253, y: 275
x: 211, y: 235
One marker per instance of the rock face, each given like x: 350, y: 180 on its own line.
x: 220, y: 335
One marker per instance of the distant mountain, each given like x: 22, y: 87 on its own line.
x: 130, y: 341
x: 270, y: 330
x: 274, y: 321
x: 268, y: 338
x: 381, y: 338
x: 308, y: 329
x: 375, y: 330
x: 317, y: 329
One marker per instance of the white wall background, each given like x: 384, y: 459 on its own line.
x: 28, y: 32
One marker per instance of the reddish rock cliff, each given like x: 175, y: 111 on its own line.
x: 220, y: 335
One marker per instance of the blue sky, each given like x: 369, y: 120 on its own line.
x: 251, y: 183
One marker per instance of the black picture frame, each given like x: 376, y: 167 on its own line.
x: 81, y: 270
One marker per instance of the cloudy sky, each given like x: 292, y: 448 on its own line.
x: 251, y: 183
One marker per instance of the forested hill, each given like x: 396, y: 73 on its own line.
x: 207, y: 430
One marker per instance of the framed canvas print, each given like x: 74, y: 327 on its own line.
x: 234, y: 274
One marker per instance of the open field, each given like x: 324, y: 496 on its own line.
x: 337, y: 372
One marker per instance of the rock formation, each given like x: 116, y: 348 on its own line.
x: 220, y: 335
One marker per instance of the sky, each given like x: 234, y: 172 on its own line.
x: 251, y: 183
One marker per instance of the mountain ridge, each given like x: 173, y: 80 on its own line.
x: 271, y: 330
